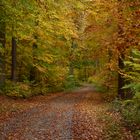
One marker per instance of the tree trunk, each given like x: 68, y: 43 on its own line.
x: 121, y: 51
x: 71, y: 70
x: 2, y: 55
x: 121, y: 80
x: 13, y: 67
x: 2, y: 45
x: 32, y: 70
x: 32, y: 74
x: 71, y: 67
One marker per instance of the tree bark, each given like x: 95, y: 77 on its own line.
x: 2, y: 55
x: 121, y: 51
x: 2, y: 45
x: 121, y: 80
x: 32, y: 70
x: 13, y: 67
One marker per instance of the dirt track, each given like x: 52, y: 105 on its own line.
x: 71, y: 116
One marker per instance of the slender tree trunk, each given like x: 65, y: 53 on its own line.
x: 13, y: 67
x: 71, y: 67
x: 32, y: 70
x: 2, y: 45
x: 121, y: 80
x: 85, y: 73
x: 32, y: 74
x: 34, y: 47
x: 121, y: 51
x: 121, y: 57
x: 2, y: 55
x: 71, y: 70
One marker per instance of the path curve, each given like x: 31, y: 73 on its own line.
x: 72, y: 116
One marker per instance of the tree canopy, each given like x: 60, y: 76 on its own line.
x: 53, y: 40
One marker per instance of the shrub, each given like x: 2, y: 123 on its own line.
x: 130, y: 113
x: 22, y: 90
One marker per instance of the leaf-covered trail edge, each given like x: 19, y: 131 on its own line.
x: 78, y: 115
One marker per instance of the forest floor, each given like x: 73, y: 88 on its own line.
x: 79, y: 115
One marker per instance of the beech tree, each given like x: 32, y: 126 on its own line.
x: 51, y: 40
x: 2, y: 46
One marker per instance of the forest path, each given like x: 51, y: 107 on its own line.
x: 71, y: 116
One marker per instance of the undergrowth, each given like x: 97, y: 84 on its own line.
x: 130, y: 114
